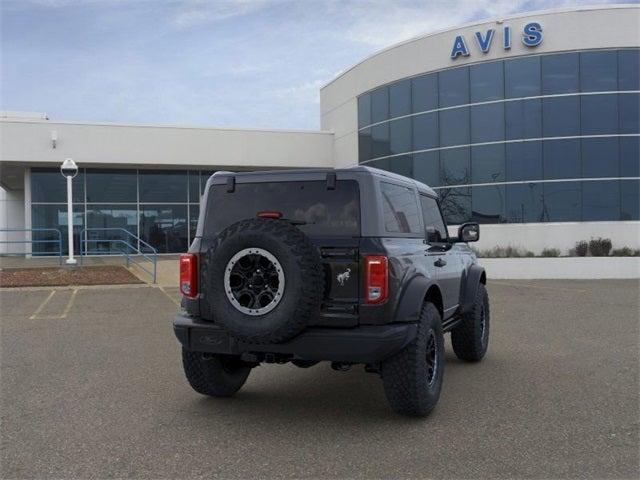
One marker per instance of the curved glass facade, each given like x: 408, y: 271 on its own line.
x: 545, y: 138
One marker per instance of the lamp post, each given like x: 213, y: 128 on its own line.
x: 69, y: 169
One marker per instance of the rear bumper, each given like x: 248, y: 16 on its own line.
x: 364, y: 344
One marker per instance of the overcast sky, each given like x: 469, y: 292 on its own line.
x: 243, y: 63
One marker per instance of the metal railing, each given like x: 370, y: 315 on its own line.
x: 31, y: 241
x: 132, y: 248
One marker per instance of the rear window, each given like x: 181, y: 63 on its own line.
x: 321, y: 212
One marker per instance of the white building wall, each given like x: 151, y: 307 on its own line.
x: 11, y: 217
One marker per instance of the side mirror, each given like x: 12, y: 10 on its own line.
x: 469, y: 232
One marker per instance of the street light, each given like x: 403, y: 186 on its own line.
x: 69, y: 169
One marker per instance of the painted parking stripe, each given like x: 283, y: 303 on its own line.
x: 63, y: 314
x: 42, y: 305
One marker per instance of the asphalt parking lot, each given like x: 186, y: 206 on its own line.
x: 92, y: 387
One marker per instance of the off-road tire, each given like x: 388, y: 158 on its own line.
x: 304, y: 280
x: 405, y: 374
x: 214, y: 375
x: 469, y: 339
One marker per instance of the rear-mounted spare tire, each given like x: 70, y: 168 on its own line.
x: 265, y: 280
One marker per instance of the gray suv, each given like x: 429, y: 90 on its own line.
x: 351, y: 266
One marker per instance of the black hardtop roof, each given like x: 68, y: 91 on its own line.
x: 268, y: 175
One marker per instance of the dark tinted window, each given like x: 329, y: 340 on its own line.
x: 54, y: 216
x: 436, y: 232
x: 487, y: 123
x: 561, y: 116
x: 163, y: 186
x: 112, y: 186
x: 600, y: 201
x: 379, y: 105
x: 365, y: 145
x: 204, y: 176
x: 629, y: 70
x: 560, y: 73
x: 524, y: 203
x: 454, y: 127
x: 561, y: 159
x: 600, y: 157
x: 426, y: 168
x: 400, y: 98
x: 629, y: 113
x: 522, y: 77
x: 487, y: 81
x: 48, y: 185
x: 380, y: 140
x: 425, y: 131
x: 523, y: 161
x: 424, y: 92
x: 630, y: 157
x: 194, y: 186
x: 364, y: 110
x: 454, y: 164
x: 402, y: 165
x: 562, y: 201
x: 487, y: 164
x: 487, y: 204
x: 325, y: 212
x: 599, y: 114
x: 523, y: 119
x: 165, y: 227
x: 630, y: 200
x: 400, y: 209
x: 400, y: 135
x: 456, y: 204
x: 599, y: 71
x: 194, y: 211
x: 453, y: 87
x: 113, y: 217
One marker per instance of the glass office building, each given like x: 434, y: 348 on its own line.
x: 540, y: 138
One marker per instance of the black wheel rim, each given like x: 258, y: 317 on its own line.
x: 483, y: 324
x: 432, y: 358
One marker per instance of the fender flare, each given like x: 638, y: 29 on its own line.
x: 475, y: 276
x: 410, y: 302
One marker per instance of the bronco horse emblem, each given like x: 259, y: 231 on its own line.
x: 343, y: 277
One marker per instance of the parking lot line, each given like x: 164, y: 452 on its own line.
x: 42, y: 305
x: 176, y: 302
x: 63, y: 314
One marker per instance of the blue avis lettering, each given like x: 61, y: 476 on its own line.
x: 531, y: 37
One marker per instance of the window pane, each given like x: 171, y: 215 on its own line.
x: 487, y: 81
x: 49, y: 186
x: 560, y: 73
x: 454, y: 127
x: 382, y: 164
x: 488, y: 204
x: 561, y: 159
x: 402, y: 165
x: 55, y: 216
x: 433, y: 223
x: 600, y: 201
x: 454, y: 165
x: 365, y: 146
x: 426, y: 168
x: 522, y: 77
x: 629, y: 113
x: 380, y: 140
x: 561, y: 116
x: 400, y: 98
x: 598, y: 71
x: 194, y: 186
x: 204, y: 176
x: 630, y: 198
x: 630, y: 156
x: 113, y: 217
x: 364, y: 110
x: 425, y: 131
x: 599, y: 114
x: 456, y: 204
x: 400, y: 209
x: 379, y: 104
x: 562, y: 202
x: 112, y: 186
x: 487, y: 123
x: 424, y: 93
x: 523, y: 119
x: 629, y: 69
x: 194, y: 211
x: 453, y: 87
x: 164, y: 227
x: 400, y: 132
x: 163, y: 186
x: 524, y: 203
x: 523, y: 161
x: 600, y: 157
x: 487, y: 164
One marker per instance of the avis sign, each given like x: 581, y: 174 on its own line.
x: 531, y: 37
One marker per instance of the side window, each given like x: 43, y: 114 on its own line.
x: 400, y: 209
x: 433, y: 223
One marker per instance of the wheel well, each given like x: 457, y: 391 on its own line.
x: 434, y: 296
x: 483, y: 278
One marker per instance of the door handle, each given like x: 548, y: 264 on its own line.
x: 440, y: 263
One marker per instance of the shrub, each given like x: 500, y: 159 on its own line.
x: 504, y: 252
x: 581, y: 249
x: 625, y: 252
x: 550, y: 252
x: 600, y: 247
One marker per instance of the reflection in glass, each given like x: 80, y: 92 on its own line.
x: 55, y: 216
x: 365, y: 146
x: 364, y: 110
x: 523, y: 161
x: 454, y: 127
x: 629, y: 113
x: 455, y: 204
x: 194, y: 186
x: 599, y: 114
x: 524, y: 203
x: 453, y: 87
x: 487, y: 123
x: 380, y: 140
x: 598, y: 71
x: 561, y: 159
x: 562, y: 201
x: 426, y: 168
x: 560, y: 73
x: 400, y: 99
x: 112, y: 186
x: 204, y: 176
x: 164, y: 227
x: 561, y: 116
x: 113, y: 217
x: 487, y: 81
x: 522, y: 77
x: 600, y: 157
x: 600, y: 200
x: 194, y: 211
x: 630, y: 157
x: 425, y: 131
x: 629, y: 69
x: 487, y: 164
x: 523, y: 119
x: 400, y: 135
x: 379, y: 104
x: 630, y: 200
x: 454, y: 164
x: 488, y: 204
x: 163, y: 186
x: 48, y: 185
x: 402, y: 165
x: 424, y: 93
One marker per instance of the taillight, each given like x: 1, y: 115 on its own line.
x: 189, y: 275
x: 270, y: 214
x: 376, y: 278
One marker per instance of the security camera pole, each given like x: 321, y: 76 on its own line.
x: 69, y: 170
